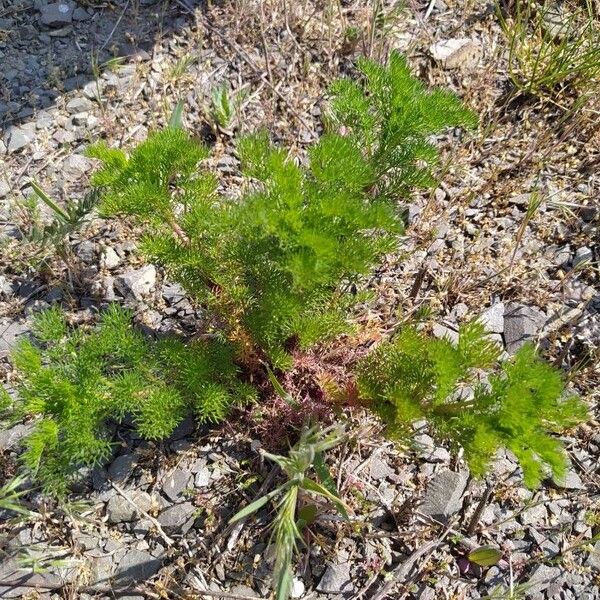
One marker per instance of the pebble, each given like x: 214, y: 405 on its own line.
x: 582, y: 255
x: 56, y: 14
x: 137, y: 283
x: 336, y: 579
x: 17, y: 138
x: 444, y: 495
x: 120, y: 510
x: 456, y: 52
x: 493, y: 318
x: 521, y: 323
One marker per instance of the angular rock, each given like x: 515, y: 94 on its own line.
x: 10, y: 333
x: 9, y: 438
x: 541, y: 578
x: 56, y: 14
x: 110, y: 259
x: 202, y: 478
x: 456, y: 52
x: 336, y: 579
x: 521, y: 323
x: 493, y: 318
x: 138, y: 283
x: 444, y: 495
x: 75, y: 167
x: 4, y: 188
x: 17, y: 138
x: 570, y: 481
x: 582, y: 255
x: 79, y: 105
x: 177, y: 518
x: 441, y: 332
x: 176, y: 483
x: 136, y: 567
x: 101, y: 569
x: 593, y: 559
x: 80, y: 14
x: 122, y: 467
x: 297, y: 589
x: 379, y: 469
x: 120, y: 510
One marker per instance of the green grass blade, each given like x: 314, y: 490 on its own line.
x: 257, y: 504
x: 176, y: 118
x: 57, y: 210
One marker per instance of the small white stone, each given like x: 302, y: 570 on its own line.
x: 110, y: 259
x: 298, y: 588
x: 456, y: 52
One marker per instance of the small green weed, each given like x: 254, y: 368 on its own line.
x: 289, y: 520
x: 551, y: 52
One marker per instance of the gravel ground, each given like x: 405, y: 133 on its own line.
x: 469, y: 250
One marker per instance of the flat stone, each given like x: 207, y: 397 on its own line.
x: 75, y: 167
x: 176, y: 483
x: 56, y: 14
x: 79, y: 104
x: 122, y: 467
x: 9, y: 438
x: 521, y: 323
x: 17, y: 138
x: 456, y: 53
x: 138, y: 283
x: 136, y: 566
x: 336, y: 579
x: 541, y: 578
x: 444, y: 494
x: 593, y: 559
x: 52, y: 578
x: 119, y: 510
x: 493, y: 318
x: 582, y: 255
x: 10, y: 333
x: 177, y: 518
x: 101, y: 569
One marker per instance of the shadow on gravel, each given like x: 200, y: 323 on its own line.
x: 48, y: 48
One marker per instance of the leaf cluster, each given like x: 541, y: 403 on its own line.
x: 275, y: 263
x: 472, y: 400
x: 78, y: 381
